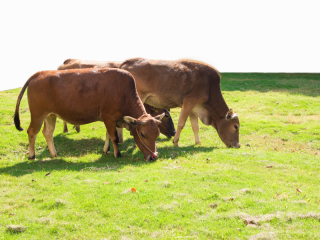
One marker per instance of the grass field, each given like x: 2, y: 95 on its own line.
x: 267, y: 189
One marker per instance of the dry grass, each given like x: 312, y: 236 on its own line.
x: 16, y: 228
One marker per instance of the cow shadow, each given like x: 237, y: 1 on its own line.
x: 93, y: 148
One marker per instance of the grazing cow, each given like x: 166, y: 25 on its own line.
x: 192, y: 85
x: 81, y: 96
x: 167, y: 126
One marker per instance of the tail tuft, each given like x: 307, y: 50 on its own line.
x: 17, y: 122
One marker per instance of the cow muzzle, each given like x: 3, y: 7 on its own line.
x: 171, y: 134
x: 237, y: 145
x: 152, y: 158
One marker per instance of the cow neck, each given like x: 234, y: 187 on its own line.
x: 134, y: 106
x: 219, y: 107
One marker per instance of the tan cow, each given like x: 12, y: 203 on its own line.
x: 81, y: 96
x: 192, y: 85
x: 167, y: 126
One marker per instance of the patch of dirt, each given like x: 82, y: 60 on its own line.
x: 16, y: 228
x: 213, y: 205
x: 272, y: 143
x: 226, y: 199
x: 264, y: 236
x: 44, y: 160
x: 258, y: 220
x: 60, y: 203
x: 172, y: 166
x: 156, y: 234
x: 245, y: 191
x: 45, y: 220
x: 304, y: 202
x: 89, y: 181
x: 176, y: 195
x: 95, y: 169
x: 310, y: 215
x: 169, y: 207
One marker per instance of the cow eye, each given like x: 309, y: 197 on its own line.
x: 167, y: 116
x: 143, y: 135
x: 236, y: 127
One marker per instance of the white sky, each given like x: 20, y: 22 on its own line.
x: 233, y: 36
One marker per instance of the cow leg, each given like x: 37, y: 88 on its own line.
x: 106, y: 148
x: 120, y: 135
x: 195, y: 127
x: 33, y: 130
x: 185, y: 112
x: 65, y: 127
x: 112, y: 131
x: 77, y: 128
x: 48, y: 129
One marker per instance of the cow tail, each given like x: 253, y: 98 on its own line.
x: 16, y: 113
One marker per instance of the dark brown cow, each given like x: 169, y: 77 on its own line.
x: 192, y: 85
x: 167, y: 126
x: 82, y: 96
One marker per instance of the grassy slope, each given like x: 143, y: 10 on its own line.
x: 86, y: 195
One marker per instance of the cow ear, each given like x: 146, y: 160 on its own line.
x: 130, y: 120
x: 231, y: 115
x: 235, y: 116
x: 159, y: 117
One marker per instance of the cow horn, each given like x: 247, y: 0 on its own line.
x: 159, y: 117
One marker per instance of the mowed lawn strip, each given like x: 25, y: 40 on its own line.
x: 269, y: 188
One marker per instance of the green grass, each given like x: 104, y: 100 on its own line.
x: 196, y: 192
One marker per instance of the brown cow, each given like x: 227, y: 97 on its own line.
x: 76, y: 63
x: 192, y: 85
x: 167, y: 126
x: 81, y: 96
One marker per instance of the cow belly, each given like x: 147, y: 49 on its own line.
x: 77, y: 119
x: 163, y: 102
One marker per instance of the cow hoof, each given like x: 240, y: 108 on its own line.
x: 32, y: 158
x: 176, y: 144
x: 118, y: 155
x: 198, y: 143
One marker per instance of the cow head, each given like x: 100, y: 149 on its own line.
x: 167, y: 126
x: 228, y: 129
x: 145, y: 131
